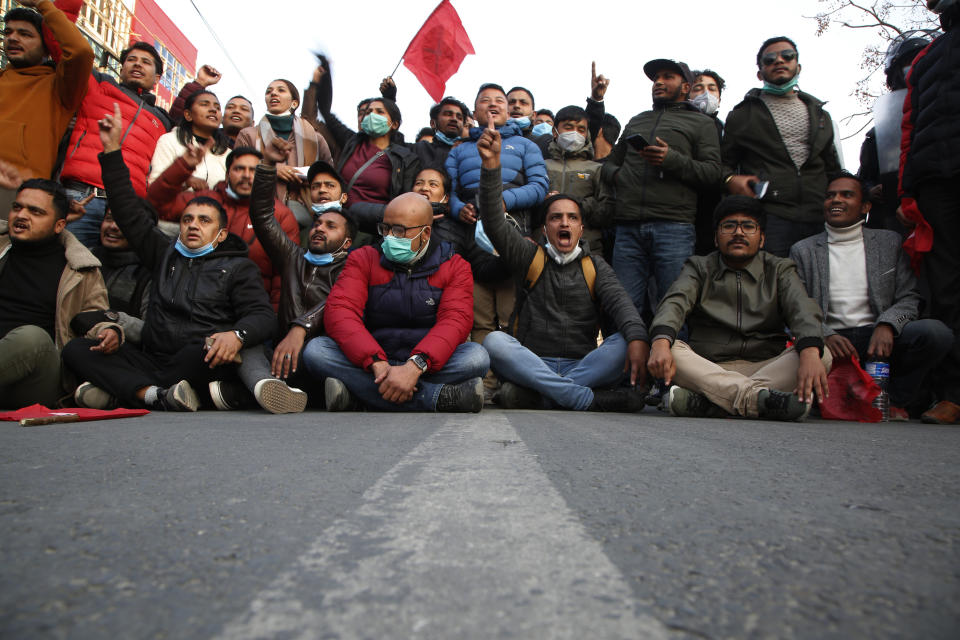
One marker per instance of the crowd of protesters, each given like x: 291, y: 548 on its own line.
x: 511, y: 254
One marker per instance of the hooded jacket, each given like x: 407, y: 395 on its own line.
x: 191, y: 298
x: 667, y: 192
x: 37, y: 103
x: 304, y: 287
x: 167, y: 195
x: 752, y: 145
x: 559, y: 318
x: 524, y: 172
x: 378, y: 310
x: 577, y: 174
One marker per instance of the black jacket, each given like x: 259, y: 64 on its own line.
x: 191, y: 298
x: 432, y: 154
x: 304, y: 286
x: 752, y: 145
x: 558, y: 319
x: 930, y: 111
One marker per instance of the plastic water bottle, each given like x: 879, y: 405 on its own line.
x: 880, y: 372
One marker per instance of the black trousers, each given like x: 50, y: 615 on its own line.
x: 939, y: 201
x: 130, y: 369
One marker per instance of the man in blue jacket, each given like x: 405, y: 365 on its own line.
x: 525, y: 185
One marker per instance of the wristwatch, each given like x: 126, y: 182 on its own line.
x: 241, y: 334
x: 420, y: 361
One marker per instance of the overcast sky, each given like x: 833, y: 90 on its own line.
x: 546, y: 47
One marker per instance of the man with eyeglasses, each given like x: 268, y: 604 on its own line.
x: 397, y: 321
x: 781, y: 136
x: 736, y: 302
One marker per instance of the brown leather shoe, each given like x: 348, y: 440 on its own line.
x: 944, y: 412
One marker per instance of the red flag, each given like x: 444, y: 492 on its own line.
x: 852, y: 392
x: 437, y: 50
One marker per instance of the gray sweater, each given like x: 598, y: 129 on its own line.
x: 559, y: 319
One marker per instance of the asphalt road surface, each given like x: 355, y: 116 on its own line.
x: 499, y: 525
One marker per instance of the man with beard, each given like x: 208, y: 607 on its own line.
x: 783, y: 136
x: 38, y: 99
x: 664, y: 157
x: 447, y: 119
x: 736, y: 302
x: 307, y: 275
x: 46, y: 278
x: 145, y: 123
x: 167, y: 194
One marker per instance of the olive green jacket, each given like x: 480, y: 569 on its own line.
x: 739, y: 314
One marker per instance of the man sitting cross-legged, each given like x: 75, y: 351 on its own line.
x: 736, y: 302
x: 397, y: 320
x: 205, y: 290
x: 556, y: 357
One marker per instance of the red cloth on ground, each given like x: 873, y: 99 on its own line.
x: 83, y: 415
x: 851, y: 393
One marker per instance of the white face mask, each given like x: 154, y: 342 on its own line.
x: 571, y: 141
x: 707, y: 103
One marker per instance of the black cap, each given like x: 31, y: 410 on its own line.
x: 323, y: 167
x: 652, y: 67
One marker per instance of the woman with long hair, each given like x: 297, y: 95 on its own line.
x: 199, y: 126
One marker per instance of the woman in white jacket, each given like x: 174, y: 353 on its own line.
x: 200, y: 126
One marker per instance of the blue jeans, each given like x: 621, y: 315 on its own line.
x: 87, y: 228
x: 566, y: 382
x: 919, y: 348
x: 651, y: 248
x: 324, y: 359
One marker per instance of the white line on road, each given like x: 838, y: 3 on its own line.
x: 465, y: 537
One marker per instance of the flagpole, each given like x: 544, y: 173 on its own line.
x: 396, y: 67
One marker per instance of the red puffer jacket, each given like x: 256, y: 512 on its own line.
x: 167, y: 195
x: 143, y: 124
x: 377, y: 308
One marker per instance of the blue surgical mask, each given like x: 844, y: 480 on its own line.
x: 375, y: 125
x: 398, y: 249
x: 781, y: 89
x: 523, y: 122
x: 318, y: 259
x: 187, y: 252
x: 482, y: 240
x: 445, y: 139
x: 233, y: 194
x: 332, y: 205
x: 542, y: 129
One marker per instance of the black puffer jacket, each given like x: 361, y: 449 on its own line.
x: 931, y: 123
x: 559, y: 319
x: 191, y: 298
x: 304, y: 286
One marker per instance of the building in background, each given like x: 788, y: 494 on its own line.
x: 110, y: 25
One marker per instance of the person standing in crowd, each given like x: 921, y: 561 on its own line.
x: 781, y: 136
x: 237, y: 113
x: 46, y: 278
x: 705, y: 95
x: 521, y: 110
x: 200, y: 124
x: 554, y: 359
x: 736, y: 302
x: 572, y: 170
x: 141, y: 66
x: 930, y: 190
x: 397, y: 321
x: 862, y: 280
x: 38, y: 100
x: 167, y: 194
x: 207, y: 302
x: 663, y: 158
x: 307, y: 147
x: 447, y: 119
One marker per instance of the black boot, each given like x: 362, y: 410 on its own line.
x: 618, y: 400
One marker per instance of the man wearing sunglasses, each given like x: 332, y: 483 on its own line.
x: 736, y: 302
x: 781, y: 135
x: 397, y: 321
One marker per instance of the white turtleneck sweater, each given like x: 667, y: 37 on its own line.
x: 849, y: 302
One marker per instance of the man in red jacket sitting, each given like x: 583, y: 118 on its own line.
x: 397, y: 320
x: 167, y: 195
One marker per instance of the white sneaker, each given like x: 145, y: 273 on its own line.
x: 276, y: 397
x: 91, y: 396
